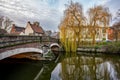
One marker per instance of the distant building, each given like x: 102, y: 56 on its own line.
x: 100, y: 33
x: 114, y: 32
x: 34, y: 29
x: 55, y: 35
x: 110, y: 32
x: 48, y: 33
x: 16, y: 30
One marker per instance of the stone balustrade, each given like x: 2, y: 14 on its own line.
x: 10, y: 40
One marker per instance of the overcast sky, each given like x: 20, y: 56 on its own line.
x: 48, y: 12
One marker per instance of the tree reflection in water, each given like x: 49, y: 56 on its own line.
x: 74, y: 67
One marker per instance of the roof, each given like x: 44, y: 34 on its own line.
x: 19, y: 29
x: 16, y: 30
x: 37, y: 29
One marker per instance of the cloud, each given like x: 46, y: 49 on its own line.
x: 100, y: 2
x: 48, y: 12
x: 28, y: 10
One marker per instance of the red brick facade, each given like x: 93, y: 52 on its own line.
x: 110, y: 32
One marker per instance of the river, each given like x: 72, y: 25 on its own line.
x: 70, y: 66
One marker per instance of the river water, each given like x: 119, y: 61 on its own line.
x: 70, y: 66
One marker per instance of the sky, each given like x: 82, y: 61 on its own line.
x: 48, y: 12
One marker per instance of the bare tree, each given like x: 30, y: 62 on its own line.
x: 117, y: 17
x: 116, y: 25
x: 7, y: 24
x: 98, y: 16
x: 1, y: 20
x: 116, y: 28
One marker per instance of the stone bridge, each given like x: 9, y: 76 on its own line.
x: 11, y: 45
x: 18, y: 49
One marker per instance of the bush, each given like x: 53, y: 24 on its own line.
x: 113, y: 47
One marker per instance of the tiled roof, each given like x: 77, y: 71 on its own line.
x: 37, y: 29
x: 19, y: 29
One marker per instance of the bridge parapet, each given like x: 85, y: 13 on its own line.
x: 8, y: 40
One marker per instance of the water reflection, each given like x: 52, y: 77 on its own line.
x: 55, y: 75
x: 87, y: 68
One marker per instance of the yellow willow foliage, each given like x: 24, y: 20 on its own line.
x: 74, y: 31
x: 70, y: 27
x: 62, y: 35
x: 68, y: 40
x: 74, y: 44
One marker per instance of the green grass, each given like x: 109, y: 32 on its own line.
x: 110, y: 47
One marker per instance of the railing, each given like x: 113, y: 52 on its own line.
x: 9, y: 40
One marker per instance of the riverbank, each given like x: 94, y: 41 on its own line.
x: 90, y: 49
x: 105, y: 47
x: 105, y: 50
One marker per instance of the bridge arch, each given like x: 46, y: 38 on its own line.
x: 18, y: 51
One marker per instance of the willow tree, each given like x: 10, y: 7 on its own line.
x: 70, y: 27
x: 99, y: 16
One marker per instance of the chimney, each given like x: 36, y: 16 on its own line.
x: 29, y: 22
x: 36, y: 23
x: 13, y: 25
